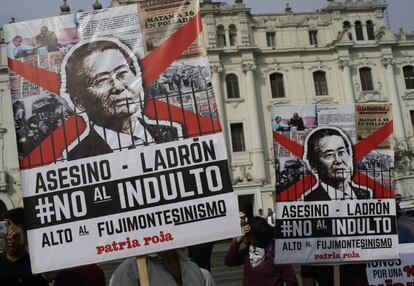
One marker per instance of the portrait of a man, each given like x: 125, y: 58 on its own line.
x: 102, y: 81
x: 297, y: 122
x: 279, y: 125
x: 329, y: 155
x: 47, y: 39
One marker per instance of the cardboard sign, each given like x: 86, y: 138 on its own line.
x: 119, y: 140
x: 334, y: 174
x: 395, y: 272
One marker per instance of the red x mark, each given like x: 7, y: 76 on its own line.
x: 361, y: 149
x: 152, y: 65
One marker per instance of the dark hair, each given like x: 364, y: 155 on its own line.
x: 261, y: 233
x: 312, y: 154
x: 16, y: 216
x: 17, y: 37
x: 77, y: 79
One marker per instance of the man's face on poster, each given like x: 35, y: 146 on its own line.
x: 44, y: 30
x: 113, y: 92
x: 17, y: 41
x: 334, y: 163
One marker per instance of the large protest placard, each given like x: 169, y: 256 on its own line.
x: 119, y: 139
x: 395, y: 272
x: 334, y: 183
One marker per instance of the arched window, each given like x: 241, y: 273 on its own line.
x: 409, y: 77
x: 366, y: 79
x: 358, y: 31
x: 370, y: 30
x: 233, y: 35
x: 232, y: 84
x: 276, y: 85
x: 347, y: 26
x: 319, y: 80
x: 221, y: 36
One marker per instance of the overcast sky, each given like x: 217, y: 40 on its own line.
x: 400, y: 11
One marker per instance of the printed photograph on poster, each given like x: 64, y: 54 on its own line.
x: 36, y: 121
x: 328, y: 153
x: 41, y: 37
x: 189, y: 77
x: 334, y: 199
x: 288, y: 171
x: 120, y: 22
x: 374, y: 164
x: 107, y: 141
x: 370, y: 118
x: 187, y: 84
x: 161, y: 19
x: 294, y: 118
x: 339, y: 115
x: 43, y: 43
x: 110, y: 97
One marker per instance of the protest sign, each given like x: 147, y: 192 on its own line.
x: 334, y: 174
x: 119, y: 140
x: 395, y: 272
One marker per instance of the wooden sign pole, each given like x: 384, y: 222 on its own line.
x: 143, y: 271
x: 337, y: 275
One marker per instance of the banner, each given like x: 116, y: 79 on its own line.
x: 334, y: 183
x: 396, y: 272
x: 119, y: 139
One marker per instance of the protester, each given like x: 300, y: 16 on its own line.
x: 88, y: 275
x: 255, y: 251
x: 208, y: 278
x: 271, y: 217
x: 15, y: 268
x: 164, y: 268
x: 261, y: 214
x: 201, y: 254
x: 405, y: 224
x: 243, y: 219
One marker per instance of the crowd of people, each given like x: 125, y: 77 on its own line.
x: 189, y: 266
x: 47, y: 114
x: 181, y: 79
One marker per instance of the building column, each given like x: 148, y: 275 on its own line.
x: 364, y: 31
x: 399, y: 129
x: 347, y: 80
x: 227, y: 35
x: 1, y: 152
x: 216, y: 71
x: 257, y: 151
x: 2, y: 129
